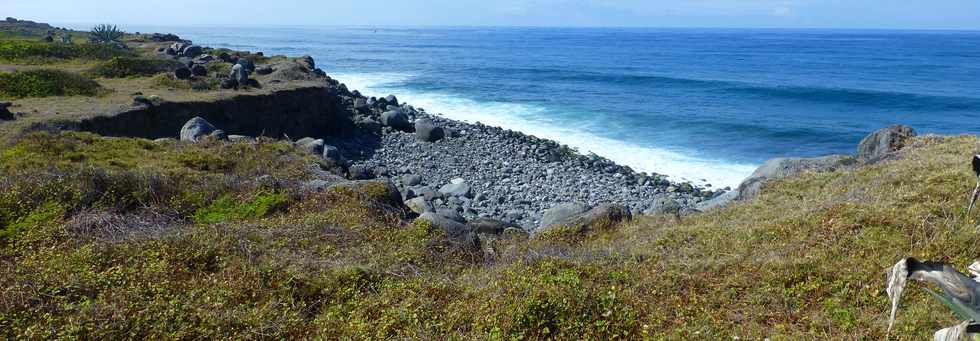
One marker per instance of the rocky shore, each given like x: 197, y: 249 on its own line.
x: 481, y: 171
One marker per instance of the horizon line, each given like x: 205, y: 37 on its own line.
x: 447, y: 26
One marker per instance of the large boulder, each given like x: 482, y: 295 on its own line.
x: 786, y: 167
x: 562, y: 214
x: 289, y: 70
x: 718, y: 202
x: 5, y: 114
x: 381, y: 193
x: 392, y: 100
x: 426, y: 130
x: 664, y: 205
x: 196, y: 128
x: 192, y: 51
x: 490, y: 226
x: 239, y: 74
x: 453, y: 228
x: 396, y: 119
x: 332, y: 153
x: 183, y: 73
x: 600, y: 218
x: 419, y: 205
x: 314, y: 146
x: 883, y: 142
x: 457, y: 189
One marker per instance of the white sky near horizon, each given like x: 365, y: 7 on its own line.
x: 889, y: 14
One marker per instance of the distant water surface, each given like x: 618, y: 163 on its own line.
x: 695, y: 104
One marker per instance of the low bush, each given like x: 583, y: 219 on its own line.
x: 120, y: 67
x: 168, y: 81
x: 45, y: 83
x: 35, y: 52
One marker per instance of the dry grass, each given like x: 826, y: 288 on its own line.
x: 804, y: 261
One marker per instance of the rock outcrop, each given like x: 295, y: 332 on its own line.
x: 600, y: 218
x: 882, y: 143
x: 196, y: 128
x: 785, y: 167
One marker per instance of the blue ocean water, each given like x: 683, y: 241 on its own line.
x: 706, y: 105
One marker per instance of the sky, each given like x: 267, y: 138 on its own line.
x: 887, y: 14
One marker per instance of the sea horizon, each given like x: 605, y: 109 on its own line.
x: 722, y: 100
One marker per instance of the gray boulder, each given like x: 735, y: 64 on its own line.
x: 361, y: 104
x: 562, y: 214
x: 451, y: 214
x: 490, y: 226
x: 264, y: 70
x: 392, y: 100
x: 419, y: 205
x: 396, y: 119
x: 459, y: 189
x: 599, y: 218
x: 786, y: 167
x: 229, y: 83
x: 192, y: 51
x: 883, y: 142
x: 195, y: 128
x: 664, y: 205
x: 314, y: 146
x: 332, y: 153
x: 239, y: 74
x: 452, y: 227
x: 178, y: 47
x: 359, y: 172
x: 411, y: 180
x: 718, y: 202
x: 426, y: 130
x: 240, y: 138
x: 219, y: 134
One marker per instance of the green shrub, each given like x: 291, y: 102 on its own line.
x: 119, y: 67
x: 31, y: 52
x: 229, y: 208
x: 45, y: 83
x: 168, y: 81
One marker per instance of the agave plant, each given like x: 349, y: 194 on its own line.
x: 105, y: 33
x: 960, y: 293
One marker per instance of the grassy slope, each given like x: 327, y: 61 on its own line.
x: 187, y: 245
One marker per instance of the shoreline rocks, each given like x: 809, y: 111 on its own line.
x: 879, y: 144
x: 484, y: 172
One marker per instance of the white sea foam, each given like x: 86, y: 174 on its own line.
x: 678, y: 165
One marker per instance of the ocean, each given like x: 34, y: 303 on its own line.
x: 701, y: 105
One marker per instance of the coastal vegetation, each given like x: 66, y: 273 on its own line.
x: 108, y: 237
x: 120, y: 67
x: 46, y: 83
x: 105, y: 33
x: 39, y: 52
x: 127, y: 237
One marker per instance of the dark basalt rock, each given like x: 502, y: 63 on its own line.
x: 199, y: 70
x: 427, y: 131
x: 183, y: 73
